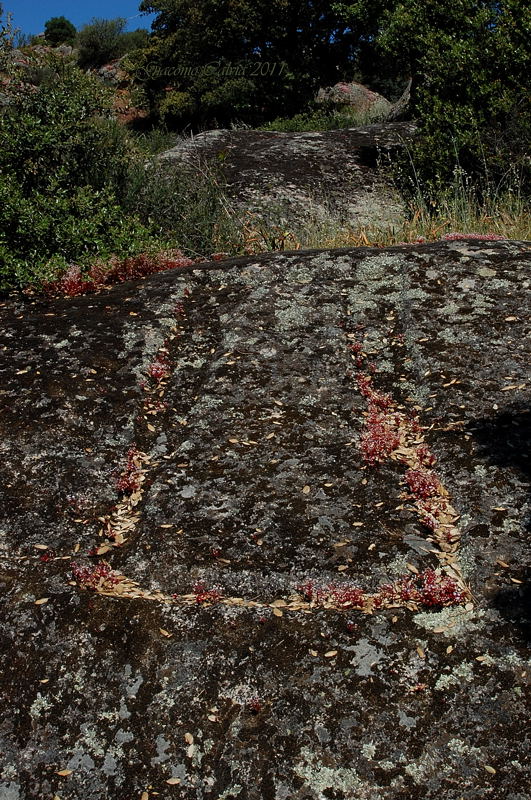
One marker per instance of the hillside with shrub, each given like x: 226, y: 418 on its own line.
x: 74, y: 187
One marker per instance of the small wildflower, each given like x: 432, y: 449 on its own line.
x: 423, y: 484
x: 95, y: 576
x: 204, y: 595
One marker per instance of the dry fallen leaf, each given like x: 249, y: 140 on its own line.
x: 64, y: 772
x: 306, y: 490
x: 277, y: 612
x: 41, y: 601
x: 173, y: 781
x: 188, y: 738
x: 330, y: 654
x: 412, y: 568
x: 313, y: 653
x: 167, y: 634
x: 144, y: 796
x: 490, y: 769
x: 421, y: 652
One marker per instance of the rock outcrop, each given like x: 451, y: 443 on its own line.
x: 293, y: 178
x: 356, y: 98
x: 262, y: 530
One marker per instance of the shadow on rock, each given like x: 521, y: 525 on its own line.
x: 505, y: 440
x: 514, y: 605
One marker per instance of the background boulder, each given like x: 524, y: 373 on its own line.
x: 356, y: 98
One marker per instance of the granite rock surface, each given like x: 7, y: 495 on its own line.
x: 210, y: 420
x: 303, y: 178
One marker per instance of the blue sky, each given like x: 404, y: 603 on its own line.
x: 30, y: 16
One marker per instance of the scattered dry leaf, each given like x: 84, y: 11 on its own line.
x: 330, y: 654
x: 64, y: 772
x: 41, y: 601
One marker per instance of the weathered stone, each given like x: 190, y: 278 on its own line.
x: 113, y: 73
x: 252, y: 481
x: 357, y: 98
x: 292, y: 178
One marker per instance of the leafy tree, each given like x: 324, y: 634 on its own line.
x: 217, y: 60
x: 470, y: 64
x: 101, y: 41
x: 134, y: 40
x: 59, y: 30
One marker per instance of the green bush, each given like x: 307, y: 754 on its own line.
x: 64, y: 167
x: 59, y: 30
x: 317, y: 120
x: 185, y: 206
x: 101, y: 41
